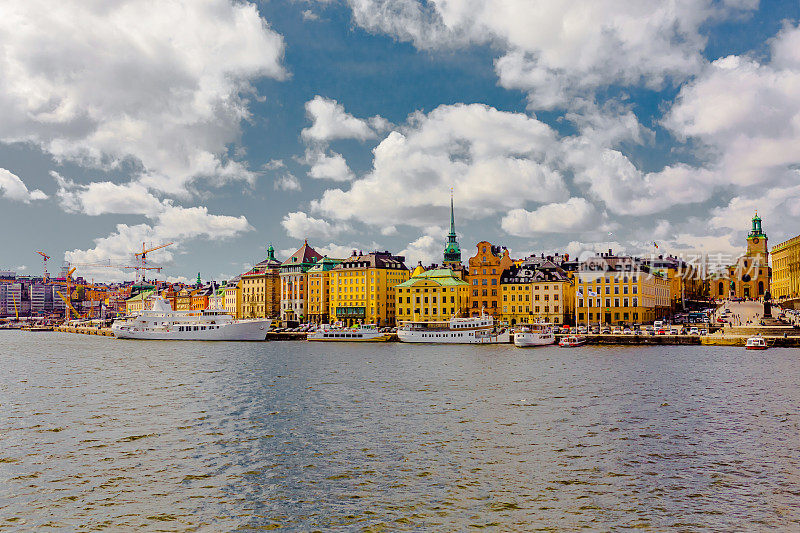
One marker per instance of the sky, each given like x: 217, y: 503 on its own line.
x: 224, y: 126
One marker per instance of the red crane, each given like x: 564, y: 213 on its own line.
x: 142, y: 257
x: 45, y: 257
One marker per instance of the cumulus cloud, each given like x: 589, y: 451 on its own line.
x: 330, y: 167
x: 495, y: 161
x: 160, y: 85
x: 13, y: 188
x: 301, y: 226
x: 574, y: 215
x: 287, y: 182
x: 104, y: 197
x: 427, y: 249
x: 330, y: 122
x: 560, y: 51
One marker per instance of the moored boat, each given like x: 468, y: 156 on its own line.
x: 572, y: 341
x: 362, y: 333
x: 534, y: 335
x: 162, y: 323
x: 471, y: 330
x: 756, y: 343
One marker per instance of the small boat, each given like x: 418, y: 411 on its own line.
x: 573, y: 341
x: 534, y: 335
x: 361, y: 333
x: 756, y: 343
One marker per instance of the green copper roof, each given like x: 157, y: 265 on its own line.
x: 452, y: 251
x: 442, y: 276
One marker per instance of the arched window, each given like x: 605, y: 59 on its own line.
x: 761, y: 288
x: 721, y: 287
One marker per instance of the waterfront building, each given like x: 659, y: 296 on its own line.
x: 233, y: 297
x: 138, y: 303
x: 452, y: 251
x: 183, y: 300
x: 750, y: 276
x: 536, y: 291
x: 485, y: 270
x: 786, y: 269
x: 293, y: 276
x: 434, y: 295
x: 319, y: 282
x: 362, y: 288
x: 617, y: 290
x: 261, y: 288
x: 685, y: 279
x: 201, y: 297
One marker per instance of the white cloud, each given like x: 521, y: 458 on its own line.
x: 389, y: 230
x: 560, y: 52
x: 178, y: 279
x: 287, y: 182
x: 309, y: 15
x: 158, y: 84
x: 495, y: 161
x: 103, y: 197
x: 330, y: 122
x: 574, y: 215
x: 301, y: 226
x: 13, y: 188
x: 330, y: 167
x: 174, y: 224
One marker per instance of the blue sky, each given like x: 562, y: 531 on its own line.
x: 224, y: 126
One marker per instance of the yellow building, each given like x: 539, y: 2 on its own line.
x: 362, y: 288
x: 536, y: 292
x: 434, y: 295
x: 138, y: 303
x: 261, y: 288
x: 750, y: 276
x: 294, y: 283
x: 319, y: 286
x: 618, y: 290
x: 233, y: 298
x: 786, y: 269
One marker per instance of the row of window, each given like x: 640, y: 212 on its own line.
x: 590, y: 301
x: 434, y: 311
x: 527, y: 309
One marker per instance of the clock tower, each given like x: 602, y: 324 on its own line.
x: 757, y: 240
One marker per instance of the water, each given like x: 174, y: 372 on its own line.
x: 100, y: 433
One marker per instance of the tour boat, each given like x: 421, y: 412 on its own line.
x: 756, y: 343
x: 572, y: 341
x: 534, y: 335
x: 362, y: 333
x: 162, y: 323
x: 472, y: 330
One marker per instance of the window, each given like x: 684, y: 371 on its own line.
x: 505, y: 297
x: 616, y: 289
x: 494, y: 281
x: 494, y: 292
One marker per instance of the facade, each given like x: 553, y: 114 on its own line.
x: 452, y: 251
x: 685, y: 280
x: 619, y: 290
x: 434, y: 295
x: 261, y: 288
x: 183, y: 300
x: 294, y: 277
x: 201, y: 296
x: 233, y: 298
x: 750, y: 276
x: 485, y: 271
x: 138, y: 303
x: 536, y: 292
x: 362, y: 288
x: 319, y: 287
x: 786, y: 269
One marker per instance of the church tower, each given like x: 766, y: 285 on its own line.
x: 452, y: 251
x: 757, y: 240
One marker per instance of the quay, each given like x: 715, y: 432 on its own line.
x: 106, y: 332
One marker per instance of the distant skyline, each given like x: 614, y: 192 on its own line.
x: 225, y: 126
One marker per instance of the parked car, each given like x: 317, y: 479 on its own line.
x: 694, y: 331
x: 605, y: 330
x: 627, y: 331
x: 582, y: 330
x: 617, y: 330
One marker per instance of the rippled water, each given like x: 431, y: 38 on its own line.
x: 98, y: 433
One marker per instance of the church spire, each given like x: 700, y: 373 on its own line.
x: 452, y: 252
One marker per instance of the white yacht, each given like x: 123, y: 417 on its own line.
x: 756, y: 343
x: 361, y: 333
x: 534, y: 335
x: 162, y: 323
x: 473, y: 330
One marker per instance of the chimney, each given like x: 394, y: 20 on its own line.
x: 610, y: 252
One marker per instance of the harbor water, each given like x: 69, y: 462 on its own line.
x: 180, y: 436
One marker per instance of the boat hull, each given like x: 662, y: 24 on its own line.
x: 528, y: 340
x: 453, y: 337
x: 246, y: 330
x: 378, y: 338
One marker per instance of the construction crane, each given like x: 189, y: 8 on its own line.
x: 142, y: 257
x: 69, y: 307
x: 45, y: 257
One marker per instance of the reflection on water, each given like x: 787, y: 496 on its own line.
x: 100, y: 433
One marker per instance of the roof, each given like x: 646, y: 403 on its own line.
x: 304, y: 255
x: 442, y: 276
x: 141, y: 296
x: 527, y: 273
x: 374, y: 260
x: 324, y: 264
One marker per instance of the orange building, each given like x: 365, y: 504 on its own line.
x: 485, y: 270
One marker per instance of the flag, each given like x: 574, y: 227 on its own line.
x: 655, y: 244
x: 580, y: 294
